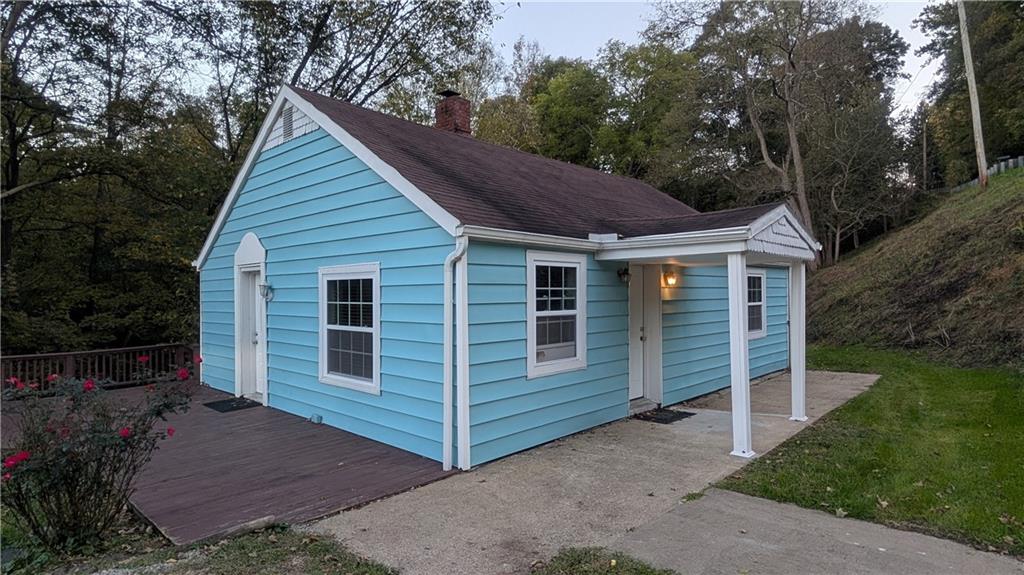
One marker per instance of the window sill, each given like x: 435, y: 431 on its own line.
x: 351, y: 383
x: 756, y: 334
x: 536, y: 370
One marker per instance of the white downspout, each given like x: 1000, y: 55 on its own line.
x: 461, y: 242
x: 462, y: 358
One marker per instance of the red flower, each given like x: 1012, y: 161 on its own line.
x: 65, y: 433
x: 143, y: 358
x: 14, y: 381
x: 12, y: 461
x: 89, y: 385
x: 150, y: 387
x: 18, y: 384
x: 183, y: 373
x: 6, y: 476
x: 33, y: 386
x: 52, y: 378
x: 170, y: 432
x: 125, y: 432
x: 197, y: 359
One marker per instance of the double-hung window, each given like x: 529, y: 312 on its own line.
x: 350, y: 326
x: 756, y: 305
x: 556, y: 337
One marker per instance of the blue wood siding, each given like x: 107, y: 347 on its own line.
x: 509, y: 412
x: 695, y: 332
x: 313, y: 204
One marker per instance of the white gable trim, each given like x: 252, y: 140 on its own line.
x: 240, y: 178
x: 763, y: 222
x: 385, y: 171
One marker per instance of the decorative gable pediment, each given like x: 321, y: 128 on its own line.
x: 778, y: 236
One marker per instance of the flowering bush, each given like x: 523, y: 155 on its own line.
x: 76, y: 453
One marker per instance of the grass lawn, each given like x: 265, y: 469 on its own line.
x: 929, y: 448
x: 272, y: 551
x: 596, y: 561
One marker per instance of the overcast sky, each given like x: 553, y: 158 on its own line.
x: 580, y: 29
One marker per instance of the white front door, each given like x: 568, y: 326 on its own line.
x: 250, y: 338
x: 645, y: 332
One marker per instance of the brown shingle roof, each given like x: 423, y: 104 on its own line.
x: 733, y: 218
x: 484, y: 184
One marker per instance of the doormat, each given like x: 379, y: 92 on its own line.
x: 661, y: 415
x: 232, y: 404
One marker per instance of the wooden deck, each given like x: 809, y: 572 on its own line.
x: 222, y: 471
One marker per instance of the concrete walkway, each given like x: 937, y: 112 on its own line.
x: 728, y: 533
x: 588, y: 489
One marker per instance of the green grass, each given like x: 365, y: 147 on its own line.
x: 272, y: 551
x: 596, y: 561
x: 950, y: 284
x: 928, y: 448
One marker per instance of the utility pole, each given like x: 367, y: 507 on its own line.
x: 979, y: 142
x: 924, y: 151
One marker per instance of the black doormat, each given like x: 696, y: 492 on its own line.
x: 232, y: 404
x: 664, y: 415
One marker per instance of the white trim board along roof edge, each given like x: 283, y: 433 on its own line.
x: 443, y: 218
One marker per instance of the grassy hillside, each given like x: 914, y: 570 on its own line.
x: 951, y: 284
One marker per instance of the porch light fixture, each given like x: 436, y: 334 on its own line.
x: 671, y: 278
x: 267, y: 291
x: 624, y: 275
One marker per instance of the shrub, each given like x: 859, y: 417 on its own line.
x: 77, y: 450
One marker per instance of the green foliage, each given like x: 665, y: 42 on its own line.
x: 571, y: 108
x: 69, y: 471
x: 928, y: 448
x: 949, y: 284
x: 997, y: 42
x: 115, y: 162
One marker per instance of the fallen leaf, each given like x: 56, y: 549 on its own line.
x: 840, y: 512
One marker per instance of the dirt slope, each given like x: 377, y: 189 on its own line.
x: 951, y: 283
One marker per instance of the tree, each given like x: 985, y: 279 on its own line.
x: 997, y: 38
x: 771, y: 73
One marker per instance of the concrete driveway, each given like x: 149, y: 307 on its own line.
x: 727, y: 533
x: 584, y: 490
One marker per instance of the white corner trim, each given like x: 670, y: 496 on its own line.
x: 422, y: 201
x: 240, y: 178
x: 370, y: 271
x: 534, y: 368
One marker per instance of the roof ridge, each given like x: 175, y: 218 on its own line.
x: 449, y: 134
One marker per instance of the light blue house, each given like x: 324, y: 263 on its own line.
x: 465, y: 301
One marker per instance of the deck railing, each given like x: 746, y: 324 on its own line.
x: 110, y: 367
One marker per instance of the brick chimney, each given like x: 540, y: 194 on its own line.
x: 452, y: 113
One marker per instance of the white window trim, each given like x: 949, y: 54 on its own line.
x: 757, y: 334
x: 346, y: 272
x: 579, y: 261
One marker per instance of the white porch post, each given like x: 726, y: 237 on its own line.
x: 798, y: 340
x: 739, y: 357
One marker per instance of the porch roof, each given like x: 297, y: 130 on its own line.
x: 766, y: 233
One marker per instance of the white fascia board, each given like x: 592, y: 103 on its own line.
x: 639, y: 252
x: 240, y: 178
x: 783, y: 211
x: 385, y: 171
x: 529, y: 238
x: 390, y: 175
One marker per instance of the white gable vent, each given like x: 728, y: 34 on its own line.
x: 290, y: 124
